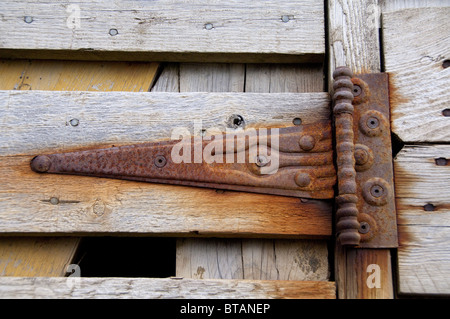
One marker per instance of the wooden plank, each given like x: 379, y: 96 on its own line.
x: 150, y: 288
x: 77, y: 75
x: 415, y: 48
x: 395, y: 5
x: 121, y: 117
x: 423, y: 202
x: 252, y: 259
x: 283, y: 78
x: 37, y: 256
x: 34, y: 122
x: 246, y: 258
x: 164, y: 30
x: 353, y: 37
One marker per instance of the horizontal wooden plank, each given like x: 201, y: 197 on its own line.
x: 35, y: 122
x: 169, y: 30
x: 423, y: 208
x: 168, y: 288
x: 39, y: 121
x: 416, y: 44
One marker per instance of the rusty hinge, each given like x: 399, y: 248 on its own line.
x: 366, y: 215
x: 289, y: 161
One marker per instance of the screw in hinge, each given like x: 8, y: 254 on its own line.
x: 356, y: 90
x: 364, y: 227
x: 160, y: 161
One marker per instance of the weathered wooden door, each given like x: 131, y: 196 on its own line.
x: 263, y: 64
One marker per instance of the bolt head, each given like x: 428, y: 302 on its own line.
x: 302, y: 179
x: 307, y: 142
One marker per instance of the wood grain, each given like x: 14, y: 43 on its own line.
x: 353, y: 36
x: 34, y: 122
x: 415, y: 47
x: 37, y: 256
x: 92, y: 205
x: 252, y: 259
x: 354, y: 41
x: 150, y: 288
x: 423, y: 201
x: 164, y: 30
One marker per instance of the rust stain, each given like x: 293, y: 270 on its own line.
x: 395, y: 98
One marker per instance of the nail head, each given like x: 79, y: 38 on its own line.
x: 28, y: 19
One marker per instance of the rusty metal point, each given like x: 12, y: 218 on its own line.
x: 41, y: 164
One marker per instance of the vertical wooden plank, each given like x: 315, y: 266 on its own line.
x: 36, y: 256
x: 353, y: 29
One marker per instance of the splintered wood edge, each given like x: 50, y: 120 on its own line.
x: 167, y: 288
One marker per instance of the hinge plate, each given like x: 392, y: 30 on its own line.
x: 373, y: 224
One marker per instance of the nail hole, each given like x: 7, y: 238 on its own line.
x: 236, y: 121
x: 74, y: 122
x: 297, y: 121
x: 446, y: 64
x: 428, y: 207
x: 441, y: 161
x: 113, y: 32
x: 446, y: 112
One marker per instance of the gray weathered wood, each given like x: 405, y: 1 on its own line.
x: 166, y: 30
x: 282, y: 78
x: 35, y: 122
x: 395, y: 5
x: 353, y: 39
x: 416, y: 43
x: 168, y: 288
x: 353, y: 35
x: 423, y: 205
x: 38, y: 121
x: 253, y: 259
